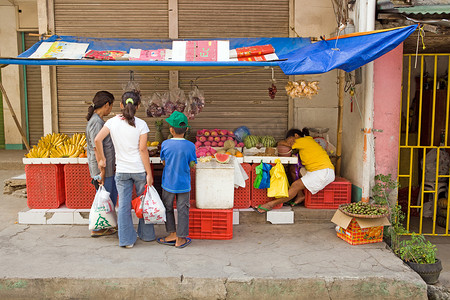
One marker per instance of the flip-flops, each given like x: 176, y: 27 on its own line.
x: 163, y: 241
x: 188, y: 241
x: 262, y: 208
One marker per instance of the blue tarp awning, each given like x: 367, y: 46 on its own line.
x: 297, y: 55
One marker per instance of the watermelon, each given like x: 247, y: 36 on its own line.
x: 268, y: 141
x: 222, y: 158
x: 251, y: 141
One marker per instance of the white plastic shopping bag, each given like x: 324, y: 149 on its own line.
x: 153, y: 208
x: 102, y: 214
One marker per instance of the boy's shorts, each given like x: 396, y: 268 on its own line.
x: 315, y: 181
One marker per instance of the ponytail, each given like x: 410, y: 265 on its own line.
x: 130, y: 102
x: 305, y: 131
x: 100, y: 100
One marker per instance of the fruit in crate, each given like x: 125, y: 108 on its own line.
x: 228, y: 144
x: 363, y: 208
x: 268, y: 141
x: 222, y: 158
x: 205, y: 151
x: 251, y: 141
x: 46, y: 144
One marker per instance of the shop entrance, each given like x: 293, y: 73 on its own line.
x: 424, y: 156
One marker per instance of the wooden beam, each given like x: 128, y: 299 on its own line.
x: 13, y: 114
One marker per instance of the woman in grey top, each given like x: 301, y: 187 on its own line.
x: 101, y: 107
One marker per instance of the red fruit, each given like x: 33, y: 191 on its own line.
x: 220, y: 144
x: 202, y: 139
x: 206, y: 133
x: 241, y: 145
x: 208, y: 154
x: 214, y: 133
x: 230, y: 138
x: 217, y: 139
x: 230, y: 133
x: 198, y: 144
x: 223, y: 139
x: 210, y: 138
x: 207, y: 143
x: 214, y: 144
x: 224, y: 131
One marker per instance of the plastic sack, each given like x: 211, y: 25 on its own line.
x: 177, y: 96
x: 153, y: 209
x: 155, y: 108
x: 240, y: 133
x: 102, y: 216
x: 168, y: 105
x: 262, y: 180
x: 279, y: 185
x: 136, y: 204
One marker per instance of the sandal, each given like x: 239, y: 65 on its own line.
x: 262, y: 208
x: 163, y: 241
x: 103, y: 232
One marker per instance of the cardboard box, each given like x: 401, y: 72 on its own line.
x: 357, y: 231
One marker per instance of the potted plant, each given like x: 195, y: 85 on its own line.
x: 420, y: 255
x: 384, y: 185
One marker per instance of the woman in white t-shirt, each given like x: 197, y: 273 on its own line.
x: 129, y: 136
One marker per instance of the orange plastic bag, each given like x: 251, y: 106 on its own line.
x: 279, y: 184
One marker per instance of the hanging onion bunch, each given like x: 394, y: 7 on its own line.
x: 302, y: 88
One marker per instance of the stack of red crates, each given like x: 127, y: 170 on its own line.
x: 211, y: 224
x: 45, y: 185
x: 217, y: 224
x: 80, y: 192
x: 336, y: 193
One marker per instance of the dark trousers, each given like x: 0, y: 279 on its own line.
x: 183, y: 205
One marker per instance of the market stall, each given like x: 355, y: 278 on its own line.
x: 292, y: 55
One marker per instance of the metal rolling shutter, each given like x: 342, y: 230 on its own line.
x: 146, y: 19
x: 34, y: 91
x: 139, y: 19
x: 241, y: 99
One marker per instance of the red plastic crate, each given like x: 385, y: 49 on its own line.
x: 45, y: 185
x: 211, y: 224
x: 336, y: 193
x: 242, y: 195
x: 80, y: 192
x: 259, y: 196
x: 355, y: 235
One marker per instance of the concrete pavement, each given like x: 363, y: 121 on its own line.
x: 263, y: 261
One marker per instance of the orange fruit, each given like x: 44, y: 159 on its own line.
x: 239, y: 154
x: 228, y: 153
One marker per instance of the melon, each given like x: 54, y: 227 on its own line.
x: 222, y: 158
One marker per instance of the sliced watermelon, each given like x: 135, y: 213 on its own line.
x: 222, y: 158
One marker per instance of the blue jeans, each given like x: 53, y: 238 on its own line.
x: 110, y: 186
x: 127, y: 233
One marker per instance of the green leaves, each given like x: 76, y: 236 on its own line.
x: 417, y: 250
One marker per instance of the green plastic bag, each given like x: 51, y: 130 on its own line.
x: 279, y: 184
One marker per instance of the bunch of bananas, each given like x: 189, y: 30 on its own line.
x: 37, y: 152
x: 57, y: 145
x: 52, y: 140
x: 66, y: 150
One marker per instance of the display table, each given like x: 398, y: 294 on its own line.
x: 52, y: 182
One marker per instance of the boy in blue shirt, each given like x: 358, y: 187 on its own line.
x: 178, y: 156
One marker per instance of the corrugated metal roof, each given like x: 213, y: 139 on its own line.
x: 425, y: 9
